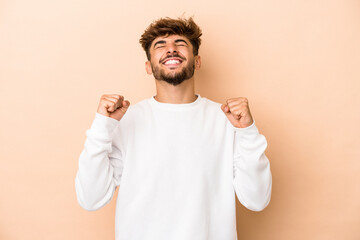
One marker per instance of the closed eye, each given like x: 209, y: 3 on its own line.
x: 181, y: 42
x: 160, y: 43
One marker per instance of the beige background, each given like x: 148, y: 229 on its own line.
x: 298, y: 63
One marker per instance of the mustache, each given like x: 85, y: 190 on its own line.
x: 171, y: 56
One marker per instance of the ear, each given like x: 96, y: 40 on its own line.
x: 148, y: 67
x: 197, y: 62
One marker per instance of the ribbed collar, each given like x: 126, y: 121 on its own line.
x: 174, y: 106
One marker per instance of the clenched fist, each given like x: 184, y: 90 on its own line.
x: 113, y: 105
x: 238, y: 112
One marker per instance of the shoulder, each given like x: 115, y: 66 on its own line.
x: 213, y: 109
x: 211, y: 105
x: 136, y: 110
x: 136, y: 113
x: 140, y: 106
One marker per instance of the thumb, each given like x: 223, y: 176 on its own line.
x: 225, y: 108
x: 124, y: 105
x: 120, y: 111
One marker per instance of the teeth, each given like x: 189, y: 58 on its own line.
x: 172, y: 61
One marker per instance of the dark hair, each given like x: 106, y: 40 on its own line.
x: 168, y: 26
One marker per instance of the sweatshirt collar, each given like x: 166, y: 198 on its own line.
x: 174, y: 106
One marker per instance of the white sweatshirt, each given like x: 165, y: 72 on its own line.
x: 178, y: 167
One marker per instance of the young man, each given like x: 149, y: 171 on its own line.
x: 178, y: 158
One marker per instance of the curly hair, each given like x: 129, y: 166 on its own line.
x: 168, y: 26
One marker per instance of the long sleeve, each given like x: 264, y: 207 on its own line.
x: 252, y: 175
x: 100, y: 165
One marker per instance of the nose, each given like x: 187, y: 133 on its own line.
x: 171, y: 48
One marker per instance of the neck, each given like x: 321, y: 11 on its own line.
x: 182, y: 93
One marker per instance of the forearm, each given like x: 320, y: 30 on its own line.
x: 252, y: 175
x: 95, y: 182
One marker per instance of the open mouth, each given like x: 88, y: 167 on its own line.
x: 172, y: 61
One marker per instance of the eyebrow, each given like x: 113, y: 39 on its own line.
x: 159, y: 42
x: 176, y: 41
x: 181, y: 40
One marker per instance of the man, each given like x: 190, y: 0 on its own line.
x: 178, y: 158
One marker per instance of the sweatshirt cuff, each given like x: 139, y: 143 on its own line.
x: 249, y: 138
x: 249, y: 129
x: 103, y: 126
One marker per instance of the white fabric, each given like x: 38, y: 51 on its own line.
x: 178, y: 167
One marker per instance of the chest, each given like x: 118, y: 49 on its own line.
x: 178, y: 141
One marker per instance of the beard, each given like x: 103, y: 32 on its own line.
x: 174, y: 78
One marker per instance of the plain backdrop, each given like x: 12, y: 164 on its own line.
x: 298, y: 63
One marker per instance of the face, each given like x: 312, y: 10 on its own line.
x: 172, y: 59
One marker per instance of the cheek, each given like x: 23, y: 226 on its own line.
x: 156, y: 57
x: 187, y: 53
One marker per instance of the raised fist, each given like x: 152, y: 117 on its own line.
x: 113, y: 105
x: 238, y: 112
